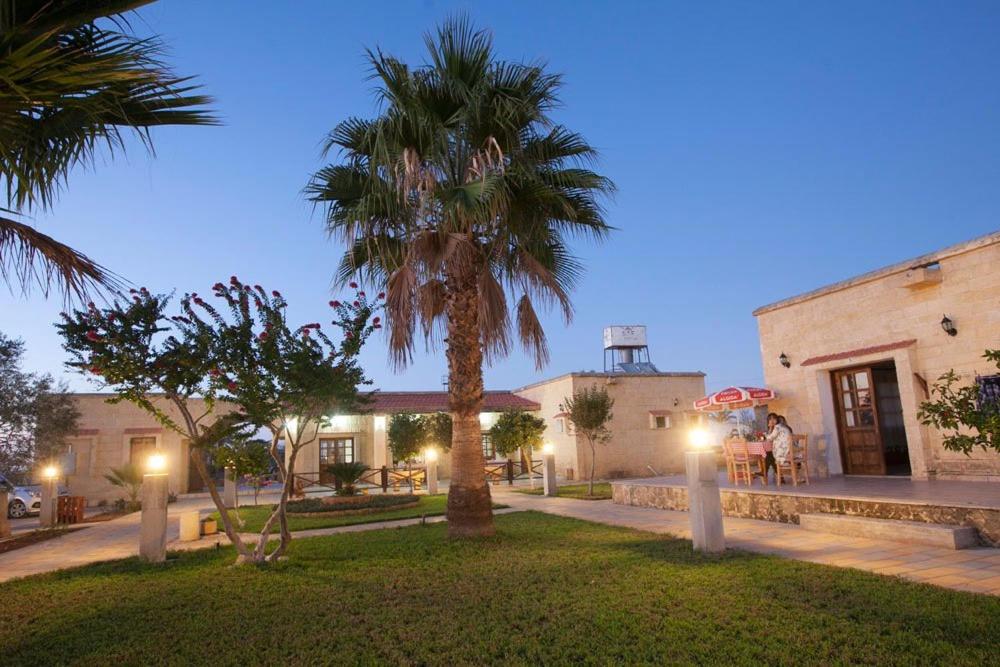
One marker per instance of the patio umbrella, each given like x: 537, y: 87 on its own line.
x: 734, y: 398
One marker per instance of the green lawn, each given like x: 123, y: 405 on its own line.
x: 545, y: 590
x: 255, y: 516
x: 602, y: 491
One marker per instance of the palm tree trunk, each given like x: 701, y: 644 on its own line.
x: 470, y: 508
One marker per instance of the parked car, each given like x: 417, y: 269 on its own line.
x: 24, y: 500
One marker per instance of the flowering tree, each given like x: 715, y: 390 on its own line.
x: 252, y: 370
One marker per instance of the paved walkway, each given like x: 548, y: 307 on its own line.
x: 976, y: 570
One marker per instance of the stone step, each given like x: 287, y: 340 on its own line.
x: 907, y: 532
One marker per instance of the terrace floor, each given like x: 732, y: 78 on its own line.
x: 856, y: 487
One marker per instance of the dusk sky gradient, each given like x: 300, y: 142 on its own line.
x: 760, y: 150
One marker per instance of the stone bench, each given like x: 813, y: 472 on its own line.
x: 908, y: 532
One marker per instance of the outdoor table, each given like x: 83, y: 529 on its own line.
x: 759, y: 449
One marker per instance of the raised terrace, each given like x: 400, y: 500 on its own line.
x: 974, y: 504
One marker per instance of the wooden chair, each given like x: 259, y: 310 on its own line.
x: 740, y: 457
x: 797, y: 464
x: 727, y: 454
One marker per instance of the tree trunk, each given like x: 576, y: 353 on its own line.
x: 470, y: 508
x: 593, y: 465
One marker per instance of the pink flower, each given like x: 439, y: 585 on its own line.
x: 357, y: 303
x: 361, y: 294
x: 276, y: 294
x: 215, y: 372
x: 231, y: 386
x: 354, y: 286
x: 348, y: 334
x: 376, y: 320
x: 381, y: 295
x: 377, y: 326
x: 218, y: 287
x: 335, y: 304
x: 262, y: 336
x: 95, y: 370
x: 234, y: 280
x: 93, y: 336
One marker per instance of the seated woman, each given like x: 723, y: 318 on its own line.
x: 780, y: 435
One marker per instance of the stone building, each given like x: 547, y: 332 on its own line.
x: 647, y: 430
x: 111, y: 435
x: 852, y: 361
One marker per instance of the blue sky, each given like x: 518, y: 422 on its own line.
x: 760, y: 150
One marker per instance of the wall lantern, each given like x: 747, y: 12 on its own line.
x: 948, y: 326
x: 784, y: 360
x: 50, y: 472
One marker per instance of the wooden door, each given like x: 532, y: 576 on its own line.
x: 860, y: 440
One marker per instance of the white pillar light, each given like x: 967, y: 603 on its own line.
x: 153, y: 528
x: 229, y: 488
x: 431, y: 459
x: 50, y: 497
x: 704, y: 498
x: 549, y: 469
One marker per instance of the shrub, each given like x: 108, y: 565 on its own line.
x: 347, y: 475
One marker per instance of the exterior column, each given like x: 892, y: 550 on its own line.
x: 50, y: 502
x: 432, y: 477
x: 229, y: 488
x: 379, y: 457
x: 705, y: 502
x: 153, y: 528
x: 549, y: 474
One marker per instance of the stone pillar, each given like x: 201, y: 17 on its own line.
x: 229, y: 488
x: 705, y: 502
x: 50, y: 502
x: 153, y: 530
x: 380, y: 456
x: 4, y: 523
x: 549, y: 474
x: 432, y: 478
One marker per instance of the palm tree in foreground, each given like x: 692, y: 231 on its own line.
x: 458, y: 200
x: 71, y: 78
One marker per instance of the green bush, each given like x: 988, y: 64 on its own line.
x: 310, y: 505
x: 347, y: 475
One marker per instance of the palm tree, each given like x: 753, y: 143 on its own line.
x: 458, y: 200
x: 72, y: 77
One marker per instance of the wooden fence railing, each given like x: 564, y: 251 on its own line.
x: 384, y: 478
x: 509, y: 471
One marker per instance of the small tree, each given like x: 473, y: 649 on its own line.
x: 590, y: 412
x: 36, y: 414
x: 128, y: 477
x: 252, y: 370
x: 437, y: 430
x: 347, y: 474
x: 968, y: 416
x: 406, y: 436
x: 517, y: 430
x: 249, y: 459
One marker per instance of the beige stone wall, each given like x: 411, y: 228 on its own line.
x: 103, y: 442
x: 878, y: 309
x: 634, y: 444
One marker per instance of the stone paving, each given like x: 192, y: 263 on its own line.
x: 976, y: 569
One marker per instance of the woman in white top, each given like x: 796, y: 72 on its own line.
x: 780, y: 436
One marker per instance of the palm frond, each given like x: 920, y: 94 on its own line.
x: 29, y: 257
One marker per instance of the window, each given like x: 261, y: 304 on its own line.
x: 139, y: 449
x: 659, y: 420
x: 336, y: 450
x: 489, y: 451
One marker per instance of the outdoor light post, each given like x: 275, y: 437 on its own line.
x: 431, y: 459
x: 704, y: 499
x: 229, y: 488
x: 549, y: 469
x: 50, y: 497
x: 153, y: 529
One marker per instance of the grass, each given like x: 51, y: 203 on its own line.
x: 545, y: 590
x: 602, y: 491
x: 255, y: 516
